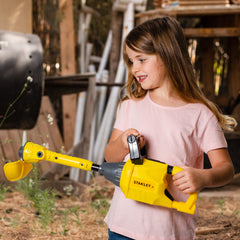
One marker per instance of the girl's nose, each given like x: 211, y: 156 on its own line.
x: 135, y: 68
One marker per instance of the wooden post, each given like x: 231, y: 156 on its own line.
x: 68, y: 66
x: 207, y: 60
x: 83, y: 149
x: 116, y: 27
x: 234, y: 67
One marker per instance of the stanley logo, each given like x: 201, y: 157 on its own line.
x: 137, y: 182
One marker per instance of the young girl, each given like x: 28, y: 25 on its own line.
x: 175, y: 123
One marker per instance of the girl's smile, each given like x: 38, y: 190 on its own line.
x: 142, y: 78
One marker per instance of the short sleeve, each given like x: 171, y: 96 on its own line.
x: 122, y: 114
x: 210, y: 134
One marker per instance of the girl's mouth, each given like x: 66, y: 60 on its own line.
x: 142, y: 78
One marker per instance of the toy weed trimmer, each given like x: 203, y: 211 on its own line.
x: 140, y: 179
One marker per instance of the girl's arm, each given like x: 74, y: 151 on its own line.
x: 193, y: 180
x: 117, y: 147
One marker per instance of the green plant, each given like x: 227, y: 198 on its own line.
x: 65, y: 218
x: 99, y: 200
x: 3, y: 191
x: 102, y: 205
x: 236, y: 212
x: 74, y: 210
x: 220, y: 202
x: 11, y: 222
x: 43, y: 200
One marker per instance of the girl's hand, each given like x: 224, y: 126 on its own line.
x: 193, y: 180
x: 132, y: 131
x: 117, y: 147
x: 189, y: 180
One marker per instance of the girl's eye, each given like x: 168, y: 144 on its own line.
x: 141, y: 60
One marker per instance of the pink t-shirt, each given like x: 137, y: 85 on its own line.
x: 177, y: 136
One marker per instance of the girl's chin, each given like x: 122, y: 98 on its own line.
x: 145, y: 87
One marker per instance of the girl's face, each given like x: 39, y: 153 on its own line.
x: 148, y: 70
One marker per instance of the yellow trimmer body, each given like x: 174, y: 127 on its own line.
x: 144, y: 182
x: 147, y: 183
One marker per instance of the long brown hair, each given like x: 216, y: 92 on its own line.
x: 165, y: 38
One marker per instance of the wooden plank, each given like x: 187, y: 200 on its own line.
x: 2, y: 157
x: 199, y: 3
x: 88, y: 117
x: 43, y: 124
x: 7, y: 147
x: 67, y: 36
x: 212, y: 32
x: 2, y: 174
x: 53, y: 131
x: 16, y: 15
x: 7, y: 152
x: 89, y: 112
x: 2, y: 162
x: 33, y: 135
x: 205, y: 3
x: 68, y: 67
x: 189, y: 11
x: 16, y: 142
x: 69, y: 104
x: 46, y: 139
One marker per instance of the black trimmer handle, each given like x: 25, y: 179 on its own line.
x: 135, y: 155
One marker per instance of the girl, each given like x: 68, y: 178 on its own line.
x: 175, y: 123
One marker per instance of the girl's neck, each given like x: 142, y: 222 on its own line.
x: 166, y: 98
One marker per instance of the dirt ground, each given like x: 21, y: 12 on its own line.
x: 75, y: 218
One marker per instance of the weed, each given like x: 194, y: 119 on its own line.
x: 14, y: 223
x: 8, y: 221
x: 236, y: 212
x: 74, y: 210
x: 3, y: 191
x: 220, y: 202
x: 65, y: 218
x: 43, y: 200
x: 102, y: 205
x: 99, y: 201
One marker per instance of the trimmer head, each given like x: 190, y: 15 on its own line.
x: 15, y: 171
